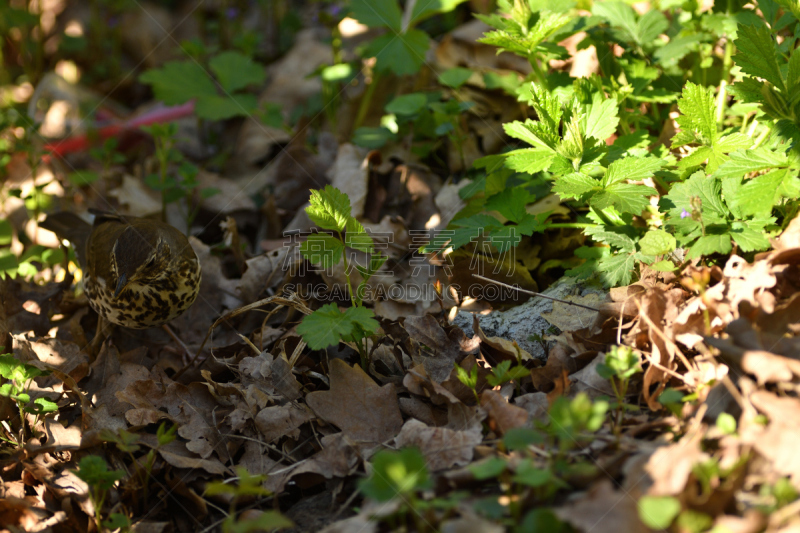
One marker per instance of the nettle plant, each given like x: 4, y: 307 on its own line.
x: 327, y: 326
x: 728, y: 178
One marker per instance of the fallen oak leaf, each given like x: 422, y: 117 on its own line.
x: 356, y: 404
x: 442, y: 447
x: 502, y: 415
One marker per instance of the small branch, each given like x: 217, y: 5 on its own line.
x: 539, y: 294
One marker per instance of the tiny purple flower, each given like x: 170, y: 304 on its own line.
x: 231, y: 13
x: 685, y: 213
x: 334, y: 10
x: 113, y: 21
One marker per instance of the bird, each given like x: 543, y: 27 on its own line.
x: 138, y: 272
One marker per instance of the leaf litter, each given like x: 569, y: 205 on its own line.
x: 706, y: 433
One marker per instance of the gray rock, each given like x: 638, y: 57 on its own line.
x: 524, y: 320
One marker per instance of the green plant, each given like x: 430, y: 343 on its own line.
x: 469, y: 379
x: 181, y: 184
x: 330, y: 210
x: 178, y: 82
x: 728, y: 178
x: 94, y: 471
x: 401, y: 50
x: 573, y: 421
x: 778, y: 494
x: 621, y: 363
x: 247, y: 486
x: 423, y: 118
x: 399, y: 474
x: 143, y: 467
x: 522, y: 29
x: 20, y: 376
x: 503, y: 373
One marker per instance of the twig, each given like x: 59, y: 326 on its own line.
x: 539, y: 294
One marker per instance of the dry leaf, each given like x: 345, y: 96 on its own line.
x: 442, y: 447
x: 502, y: 415
x: 357, y: 405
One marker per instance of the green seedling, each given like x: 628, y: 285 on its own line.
x: 469, y: 379
x: 128, y: 442
x: 503, y: 373
x: 621, y: 363
x: 177, y: 185
x: 399, y: 475
x: 330, y: 210
x: 94, y: 471
x: 246, y: 486
x: 20, y: 376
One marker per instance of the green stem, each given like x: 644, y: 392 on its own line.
x: 366, y: 100
x: 604, y: 217
x: 578, y: 225
x: 538, y: 72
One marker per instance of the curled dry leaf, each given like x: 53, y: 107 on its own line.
x: 497, y: 349
x: 281, y: 420
x: 502, y: 415
x: 442, y: 447
x: 447, y: 347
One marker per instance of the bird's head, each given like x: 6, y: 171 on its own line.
x: 139, y: 255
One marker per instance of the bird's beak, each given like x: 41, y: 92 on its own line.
x: 121, y: 283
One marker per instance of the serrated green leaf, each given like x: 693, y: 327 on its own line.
x: 616, y: 270
x: 357, y: 237
x: 329, y: 209
x: 510, y: 203
x: 625, y: 197
x: 631, y: 168
x: 664, y: 266
x: 526, y: 131
x: 620, y: 16
x: 222, y: 107
x: 376, y: 13
x: 322, y: 249
x: 698, y: 114
x: 362, y: 323
x: 600, y: 118
x: 758, y: 195
x: 615, y: 239
x: 324, y: 327
x: 402, y: 53
x: 677, y: 48
x: 743, y: 162
x: 236, y: 71
x: 455, y: 77
x: 749, y: 239
x: 707, y: 189
x: 530, y: 160
x: 710, y: 244
x: 427, y: 8
x: 407, y: 104
x: 757, y: 55
x: 657, y: 242
x: 177, y: 82
x: 649, y: 26
x: 575, y: 185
